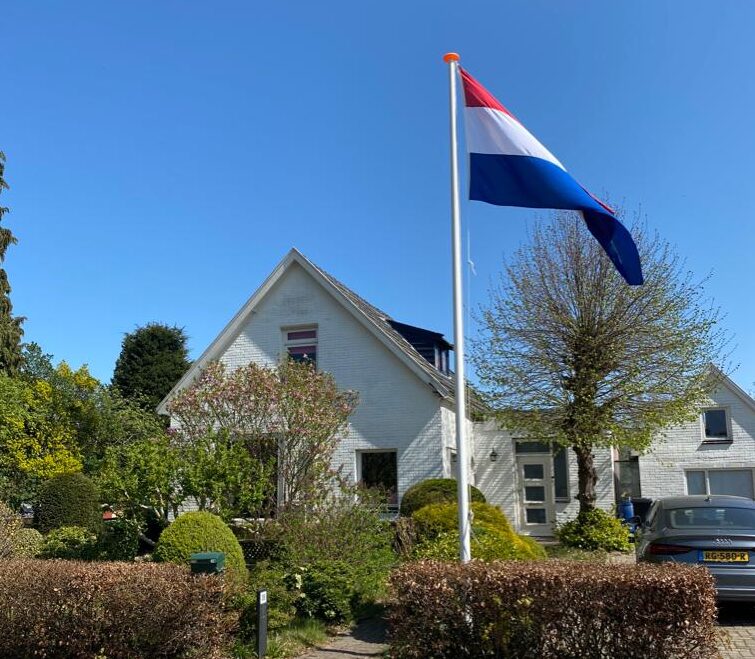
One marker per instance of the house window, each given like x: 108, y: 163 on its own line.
x: 736, y: 482
x: 561, y: 474
x: 379, y: 470
x: 301, y: 344
x: 716, y: 425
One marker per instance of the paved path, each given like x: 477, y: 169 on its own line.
x: 737, y: 629
x: 367, y: 639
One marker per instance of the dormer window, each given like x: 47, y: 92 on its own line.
x: 716, y: 425
x: 301, y: 344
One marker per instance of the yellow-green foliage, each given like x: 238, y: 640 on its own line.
x: 198, y: 532
x: 492, y: 535
x: 35, y: 439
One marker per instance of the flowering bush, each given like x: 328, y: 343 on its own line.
x: 242, y: 432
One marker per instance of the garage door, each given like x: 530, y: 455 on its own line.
x: 736, y: 482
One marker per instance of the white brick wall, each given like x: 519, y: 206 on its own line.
x: 498, y: 480
x: 681, y: 448
x: 396, y: 409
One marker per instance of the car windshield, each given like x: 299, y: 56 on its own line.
x: 718, y: 517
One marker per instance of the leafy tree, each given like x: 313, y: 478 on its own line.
x: 142, y: 478
x: 36, y: 442
x: 10, y: 326
x: 99, y: 417
x: 153, y: 358
x: 571, y: 354
x: 287, y: 420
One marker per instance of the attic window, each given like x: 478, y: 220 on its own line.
x: 301, y: 344
x: 716, y: 425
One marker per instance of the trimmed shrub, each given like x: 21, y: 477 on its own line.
x: 28, y: 543
x: 593, y: 530
x: 68, y: 500
x: 70, y: 542
x: 492, y: 536
x: 197, y: 532
x: 551, y: 609
x: 70, y: 610
x: 434, y: 490
x: 119, y: 540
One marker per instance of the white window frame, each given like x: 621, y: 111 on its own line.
x: 293, y: 343
x: 727, y: 414
x: 707, y: 476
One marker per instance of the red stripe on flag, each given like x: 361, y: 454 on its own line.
x: 476, y: 96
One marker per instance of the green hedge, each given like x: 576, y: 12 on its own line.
x: 551, y: 610
x: 434, y: 490
x: 68, y: 500
x: 197, y: 532
x: 72, y: 610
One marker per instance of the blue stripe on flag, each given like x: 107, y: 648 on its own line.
x: 530, y: 182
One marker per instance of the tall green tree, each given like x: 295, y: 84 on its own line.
x: 570, y: 354
x: 10, y: 325
x: 153, y: 358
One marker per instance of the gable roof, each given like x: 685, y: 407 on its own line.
x: 373, y: 319
x: 719, y: 378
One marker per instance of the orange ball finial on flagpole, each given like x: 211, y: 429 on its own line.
x: 451, y: 57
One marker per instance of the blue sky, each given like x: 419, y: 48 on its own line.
x: 163, y: 157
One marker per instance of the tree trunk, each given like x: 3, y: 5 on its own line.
x: 588, y: 477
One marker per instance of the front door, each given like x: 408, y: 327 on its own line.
x: 537, y: 509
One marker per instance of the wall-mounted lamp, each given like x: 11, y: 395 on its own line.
x: 493, y: 455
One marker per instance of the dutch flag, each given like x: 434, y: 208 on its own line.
x: 509, y: 167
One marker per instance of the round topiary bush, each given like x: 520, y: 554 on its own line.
x: 197, y: 532
x: 593, y: 530
x: 27, y: 543
x: 434, y: 490
x: 68, y: 500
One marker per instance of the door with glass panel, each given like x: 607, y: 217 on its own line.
x: 537, y: 509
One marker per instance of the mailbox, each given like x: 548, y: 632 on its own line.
x: 208, y: 562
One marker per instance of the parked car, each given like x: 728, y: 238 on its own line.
x: 715, y: 531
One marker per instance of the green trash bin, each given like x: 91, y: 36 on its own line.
x: 207, y: 562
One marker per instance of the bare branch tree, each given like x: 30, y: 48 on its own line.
x: 570, y: 354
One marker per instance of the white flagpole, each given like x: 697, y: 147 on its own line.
x: 452, y: 59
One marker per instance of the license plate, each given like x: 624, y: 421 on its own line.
x: 725, y: 556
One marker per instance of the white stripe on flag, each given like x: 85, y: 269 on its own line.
x: 494, y: 132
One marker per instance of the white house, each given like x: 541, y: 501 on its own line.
x: 714, y: 454
x: 403, y: 430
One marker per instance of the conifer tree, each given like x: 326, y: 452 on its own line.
x: 153, y: 358
x: 10, y: 326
